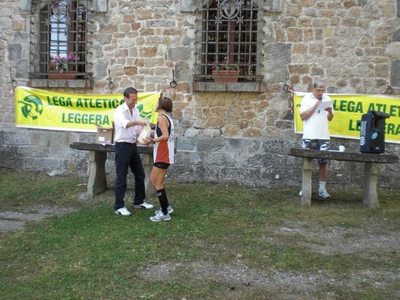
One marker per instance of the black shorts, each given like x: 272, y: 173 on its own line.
x: 322, y: 145
x: 161, y: 165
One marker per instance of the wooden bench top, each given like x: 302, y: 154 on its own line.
x: 106, y: 147
x: 345, y: 156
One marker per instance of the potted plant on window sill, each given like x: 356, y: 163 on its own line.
x: 231, y: 72
x: 63, y: 67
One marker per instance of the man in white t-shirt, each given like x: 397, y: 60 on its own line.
x: 127, y: 123
x: 315, y: 128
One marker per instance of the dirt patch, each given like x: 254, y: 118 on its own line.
x: 326, y: 241
x: 336, y: 239
x: 14, y: 221
x: 240, y: 274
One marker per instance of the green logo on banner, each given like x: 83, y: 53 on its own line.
x: 144, y: 114
x: 32, y: 107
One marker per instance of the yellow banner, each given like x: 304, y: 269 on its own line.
x: 348, y: 110
x: 35, y: 108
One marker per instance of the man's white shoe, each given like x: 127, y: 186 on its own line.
x: 144, y: 205
x: 123, y: 212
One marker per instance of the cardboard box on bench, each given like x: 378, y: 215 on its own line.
x: 105, y: 135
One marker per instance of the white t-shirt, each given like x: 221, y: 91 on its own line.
x: 316, y: 126
x: 122, y: 117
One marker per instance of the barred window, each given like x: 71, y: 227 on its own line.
x: 58, y: 38
x: 228, y: 38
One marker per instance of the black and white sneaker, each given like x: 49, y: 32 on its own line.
x: 144, y: 205
x: 123, y: 212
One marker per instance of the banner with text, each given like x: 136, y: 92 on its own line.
x: 348, y: 110
x: 35, y: 108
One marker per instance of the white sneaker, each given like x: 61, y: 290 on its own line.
x: 123, y: 212
x: 160, y: 217
x: 169, y: 209
x: 324, y: 194
x: 144, y: 205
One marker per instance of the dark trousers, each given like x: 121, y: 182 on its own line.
x: 127, y: 156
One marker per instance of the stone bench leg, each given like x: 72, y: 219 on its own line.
x: 371, y: 171
x: 306, y: 186
x: 97, y: 173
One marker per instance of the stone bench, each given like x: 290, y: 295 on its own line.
x: 371, y: 170
x: 97, y: 182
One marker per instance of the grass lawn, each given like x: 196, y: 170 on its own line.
x: 223, y: 242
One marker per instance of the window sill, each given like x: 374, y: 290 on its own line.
x: 250, y: 87
x: 62, y: 83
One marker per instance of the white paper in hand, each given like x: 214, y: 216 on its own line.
x: 325, y: 104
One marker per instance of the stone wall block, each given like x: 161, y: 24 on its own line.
x: 21, y: 65
x: 148, y: 51
x: 185, y: 158
x: 320, y: 72
x: 131, y: 70
x: 295, y: 34
x: 146, y: 32
x: 276, y: 69
x: 382, y: 70
x: 308, y: 35
x: 271, y: 5
x: 14, y: 51
x: 216, y: 159
x: 333, y: 42
x: 210, y: 144
x: 316, y: 48
x: 393, y: 50
x: 395, y: 77
x: 331, y: 52
x: 184, y: 143
x: 310, y: 12
x: 161, y: 23
x: 350, y: 22
x: 303, y: 22
x: 179, y: 53
x: 300, y: 48
x: 99, y: 5
x: 294, y: 10
x: 186, y: 6
x: 280, y: 35
x: 299, y: 69
x: 291, y: 22
x: 396, y: 36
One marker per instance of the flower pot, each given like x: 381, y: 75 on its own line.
x: 232, y: 75
x: 65, y: 75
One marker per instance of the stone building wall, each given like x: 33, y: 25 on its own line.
x: 240, y: 137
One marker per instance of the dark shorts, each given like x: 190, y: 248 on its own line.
x: 322, y: 145
x: 161, y: 165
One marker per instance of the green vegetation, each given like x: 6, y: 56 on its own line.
x: 223, y: 242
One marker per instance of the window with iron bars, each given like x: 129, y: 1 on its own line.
x: 59, y: 38
x: 228, y: 37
